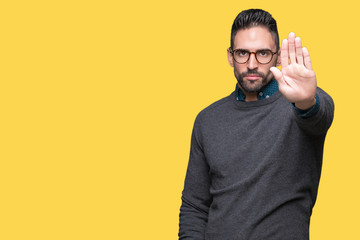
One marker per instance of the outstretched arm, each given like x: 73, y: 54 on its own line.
x: 297, y: 80
x: 297, y: 83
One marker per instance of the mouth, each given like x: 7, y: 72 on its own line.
x: 252, y: 77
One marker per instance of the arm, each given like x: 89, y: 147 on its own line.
x: 309, y: 112
x: 297, y: 83
x: 321, y: 121
x: 196, y: 198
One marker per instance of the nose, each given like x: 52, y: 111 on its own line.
x: 252, y: 63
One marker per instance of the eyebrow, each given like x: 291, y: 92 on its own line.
x: 261, y: 49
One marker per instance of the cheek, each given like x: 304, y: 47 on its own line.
x: 268, y: 74
x: 266, y: 69
x: 238, y: 69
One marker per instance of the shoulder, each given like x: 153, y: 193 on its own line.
x: 321, y: 91
x: 324, y: 97
x: 217, y: 108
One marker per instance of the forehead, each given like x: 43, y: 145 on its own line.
x: 254, y: 38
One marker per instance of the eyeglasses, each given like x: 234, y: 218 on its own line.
x: 263, y: 56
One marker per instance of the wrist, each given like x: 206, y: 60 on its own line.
x: 305, y: 105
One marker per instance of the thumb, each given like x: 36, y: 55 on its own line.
x: 277, y: 74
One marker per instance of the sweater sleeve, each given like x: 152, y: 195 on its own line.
x: 196, y: 197
x: 310, y: 112
x: 320, y: 122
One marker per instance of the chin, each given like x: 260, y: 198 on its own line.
x: 251, y: 88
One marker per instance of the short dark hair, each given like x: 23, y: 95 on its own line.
x: 252, y: 18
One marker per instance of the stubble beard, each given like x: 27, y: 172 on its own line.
x: 255, y: 85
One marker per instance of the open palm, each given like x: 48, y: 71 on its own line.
x: 297, y: 80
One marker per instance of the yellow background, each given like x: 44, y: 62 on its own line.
x: 98, y: 100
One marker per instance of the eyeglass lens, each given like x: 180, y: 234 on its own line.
x: 262, y: 56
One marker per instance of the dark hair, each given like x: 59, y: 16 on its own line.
x: 251, y: 18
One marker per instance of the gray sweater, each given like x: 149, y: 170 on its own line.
x: 254, y: 170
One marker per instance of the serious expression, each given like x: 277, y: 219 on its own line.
x: 253, y: 76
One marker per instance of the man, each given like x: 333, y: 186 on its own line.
x: 256, y: 155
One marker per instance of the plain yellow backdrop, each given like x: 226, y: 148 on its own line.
x: 98, y: 100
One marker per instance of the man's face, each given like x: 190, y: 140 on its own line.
x: 253, y: 76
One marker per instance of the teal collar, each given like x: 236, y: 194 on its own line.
x: 266, y: 92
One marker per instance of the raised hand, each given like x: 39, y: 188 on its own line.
x: 297, y: 80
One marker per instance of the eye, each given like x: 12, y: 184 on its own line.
x: 263, y: 53
x: 242, y: 53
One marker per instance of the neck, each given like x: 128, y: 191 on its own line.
x: 249, y: 96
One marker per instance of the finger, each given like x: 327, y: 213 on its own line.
x: 307, y: 60
x: 277, y: 75
x: 284, y: 53
x: 299, y: 51
x: 292, y: 47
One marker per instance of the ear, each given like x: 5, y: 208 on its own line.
x: 278, y: 61
x: 230, y: 58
